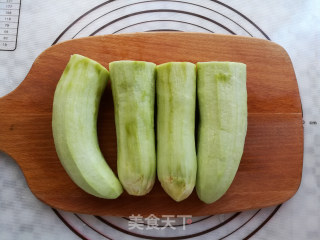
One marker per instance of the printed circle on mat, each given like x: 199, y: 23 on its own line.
x: 165, y: 15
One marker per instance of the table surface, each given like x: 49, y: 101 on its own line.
x: 294, y: 25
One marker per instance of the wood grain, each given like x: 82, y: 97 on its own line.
x: 270, y: 170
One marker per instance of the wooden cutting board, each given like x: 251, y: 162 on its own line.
x: 271, y: 166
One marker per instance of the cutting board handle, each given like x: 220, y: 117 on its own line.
x: 9, y: 113
x: 6, y: 125
x: 17, y: 107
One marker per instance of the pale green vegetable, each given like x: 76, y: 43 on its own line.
x: 74, y: 126
x: 176, y: 152
x: 222, y: 96
x: 133, y: 89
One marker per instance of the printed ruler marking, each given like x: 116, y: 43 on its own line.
x: 9, y: 23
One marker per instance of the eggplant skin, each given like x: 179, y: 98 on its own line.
x: 133, y: 90
x: 74, y: 126
x: 176, y: 150
x: 222, y: 97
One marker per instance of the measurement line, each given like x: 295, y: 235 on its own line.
x: 9, y: 20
